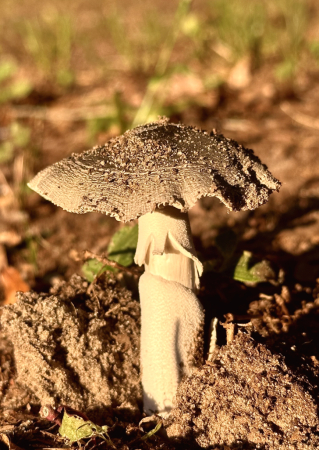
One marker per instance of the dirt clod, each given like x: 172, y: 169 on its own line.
x: 78, y: 345
x: 247, y: 398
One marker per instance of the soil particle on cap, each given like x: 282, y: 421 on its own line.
x: 247, y: 398
x: 192, y: 163
x: 78, y: 345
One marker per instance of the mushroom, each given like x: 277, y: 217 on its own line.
x: 156, y: 173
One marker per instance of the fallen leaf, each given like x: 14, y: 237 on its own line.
x: 12, y: 283
x: 75, y: 428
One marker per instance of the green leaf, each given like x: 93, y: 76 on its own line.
x: 152, y: 432
x: 123, y: 246
x: 75, y: 428
x: 249, y: 271
x: 93, y: 268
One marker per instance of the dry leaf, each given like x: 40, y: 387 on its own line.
x: 12, y: 283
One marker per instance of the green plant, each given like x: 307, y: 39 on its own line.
x: 93, y: 268
x: 10, y: 88
x: 249, y: 270
x: 291, y: 44
x: 121, y: 250
x: 31, y: 251
x: 74, y: 428
x: 152, y: 102
x: 123, y: 246
x: 117, y: 112
x: 138, y: 43
x: 18, y: 137
x: 49, y: 40
x: 239, y: 24
x: 260, y: 29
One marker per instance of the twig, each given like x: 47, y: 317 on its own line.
x: 132, y: 270
x: 245, y: 325
x: 213, y: 339
x: 230, y: 332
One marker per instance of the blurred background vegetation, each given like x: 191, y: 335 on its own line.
x: 175, y: 52
x: 115, y: 64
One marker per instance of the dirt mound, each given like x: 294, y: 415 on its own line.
x: 246, y: 398
x: 78, y: 345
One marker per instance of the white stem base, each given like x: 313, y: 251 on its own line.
x: 172, y: 320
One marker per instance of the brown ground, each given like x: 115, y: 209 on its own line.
x: 246, y: 398
x: 277, y: 363
x: 83, y: 341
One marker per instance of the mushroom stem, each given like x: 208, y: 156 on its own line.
x: 172, y: 317
x: 166, y: 247
x: 172, y: 320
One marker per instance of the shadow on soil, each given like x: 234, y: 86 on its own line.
x: 287, y: 324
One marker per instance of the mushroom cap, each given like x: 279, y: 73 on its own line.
x: 159, y: 163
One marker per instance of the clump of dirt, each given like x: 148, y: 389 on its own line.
x: 246, y: 398
x: 78, y: 345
